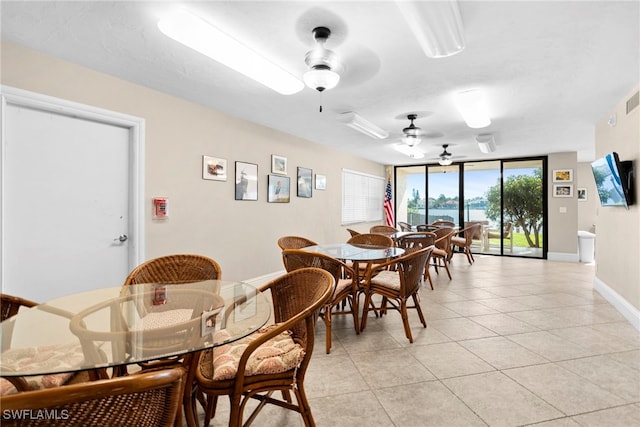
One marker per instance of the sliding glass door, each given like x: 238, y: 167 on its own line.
x: 444, y: 193
x: 505, y: 196
x: 410, y: 194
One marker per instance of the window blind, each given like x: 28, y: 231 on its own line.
x: 362, y: 197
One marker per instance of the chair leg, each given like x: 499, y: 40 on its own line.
x: 416, y: 302
x: 405, y: 320
x: 236, y: 405
x: 353, y: 302
x: 467, y: 252
x: 303, y: 405
x: 327, y: 324
x: 365, y: 310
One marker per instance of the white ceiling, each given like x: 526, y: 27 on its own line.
x: 549, y: 70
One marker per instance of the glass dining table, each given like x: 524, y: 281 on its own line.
x: 112, y: 327
x: 356, y: 253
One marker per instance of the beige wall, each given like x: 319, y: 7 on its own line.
x: 204, y: 217
x: 563, y: 212
x: 587, y: 208
x: 618, y: 229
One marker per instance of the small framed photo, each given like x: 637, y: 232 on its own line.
x: 563, y: 175
x: 321, y: 182
x: 304, y: 182
x: 563, y: 190
x: 278, y: 164
x: 582, y: 194
x: 214, y: 168
x: 246, y: 181
x: 279, y: 189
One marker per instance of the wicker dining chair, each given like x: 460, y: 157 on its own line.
x: 353, y: 232
x: 426, y: 227
x: 414, y: 242
x: 383, y: 229
x: 294, y: 242
x: 372, y: 239
x: 172, y: 269
x: 441, y: 255
x: 397, y: 285
x: 175, y: 269
x: 10, y: 305
x: 150, y: 399
x: 345, y: 289
x: 239, y: 371
x: 405, y: 226
x: 443, y: 223
x: 464, y: 238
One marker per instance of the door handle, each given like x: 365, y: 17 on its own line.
x: 123, y: 238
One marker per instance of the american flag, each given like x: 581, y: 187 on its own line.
x: 388, y: 203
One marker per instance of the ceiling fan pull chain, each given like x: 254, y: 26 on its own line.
x: 321, y: 101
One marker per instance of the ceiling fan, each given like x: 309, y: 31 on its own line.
x: 411, y: 134
x: 445, y: 158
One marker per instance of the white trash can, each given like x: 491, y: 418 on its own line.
x: 586, y: 246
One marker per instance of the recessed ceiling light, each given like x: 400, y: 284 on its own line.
x: 196, y: 33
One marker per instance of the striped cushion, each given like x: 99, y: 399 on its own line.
x: 279, y: 354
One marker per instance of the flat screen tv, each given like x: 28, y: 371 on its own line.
x: 614, y: 180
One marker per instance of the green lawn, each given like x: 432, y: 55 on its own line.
x: 518, y: 240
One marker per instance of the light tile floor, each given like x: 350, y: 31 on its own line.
x: 509, y: 342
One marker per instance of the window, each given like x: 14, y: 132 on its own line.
x: 362, y: 197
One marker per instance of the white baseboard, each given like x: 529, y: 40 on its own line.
x: 261, y: 280
x: 563, y: 257
x: 631, y: 313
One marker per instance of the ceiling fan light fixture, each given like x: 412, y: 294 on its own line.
x: 410, y: 151
x: 362, y: 125
x: 323, y: 63
x: 445, y: 161
x: 411, y: 134
x: 411, y: 140
x: 198, y: 34
x: 437, y: 25
x: 473, y: 108
x: 321, y: 79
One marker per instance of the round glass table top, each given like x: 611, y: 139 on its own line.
x: 128, y: 324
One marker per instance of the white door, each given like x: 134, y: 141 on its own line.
x: 69, y: 221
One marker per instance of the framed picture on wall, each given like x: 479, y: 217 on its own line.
x: 246, y: 181
x: 563, y: 175
x: 214, y: 168
x: 279, y: 189
x: 321, y: 182
x: 304, y: 182
x: 582, y: 194
x: 278, y: 164
x: 563, y: 190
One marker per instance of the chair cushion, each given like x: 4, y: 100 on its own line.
x: 50, y: 357
x: 439, y: 252
x: 342, y: 285
x: 458, y: 241
x: 279, y: 354
x: 388, y: 279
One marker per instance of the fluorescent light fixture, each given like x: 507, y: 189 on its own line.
x: 436, y: 25
x: 357, y: 122
x: 412, y: 152
x: 445, y: 161
x: 486, y: 143
x: 196, y: 33
x: 472, y: 106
